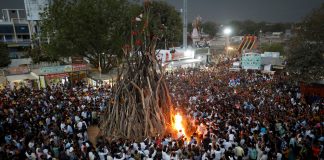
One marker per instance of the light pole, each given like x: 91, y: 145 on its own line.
x: 260, y: 37
x: 227, y: 31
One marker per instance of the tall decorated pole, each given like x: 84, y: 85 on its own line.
x: 185, y: 23
x: 141, y: 105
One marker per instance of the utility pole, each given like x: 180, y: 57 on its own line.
x: 185, y: 23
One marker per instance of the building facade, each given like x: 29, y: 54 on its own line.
x: 19, y: 26
x: 15, y: 31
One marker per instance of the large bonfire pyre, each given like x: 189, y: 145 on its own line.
x: 141, y: 105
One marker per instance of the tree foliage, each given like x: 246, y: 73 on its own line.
x: 37, y: 55
x: 90, y: 28
x: 273, y: 47
x: 305, y: 57
x: 87, y: 28
x: 251, y: 27
x: 167, y: 22
x: 210, y: 28
x: 4, y: 54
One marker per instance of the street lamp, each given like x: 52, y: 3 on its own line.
x: 227, y: 31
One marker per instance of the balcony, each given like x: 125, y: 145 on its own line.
x: 14, y: 20
x: 16, y: 41
x: 19, y: 21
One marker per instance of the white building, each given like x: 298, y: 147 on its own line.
x: 34, y: 9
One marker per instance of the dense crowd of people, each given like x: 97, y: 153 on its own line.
x: 230, y: 115
x: 48, y: 123
x: 249, y: 115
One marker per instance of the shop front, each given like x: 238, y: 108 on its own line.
x: 3, y: 82
x: 54, y: 75
x: 62, y: 75
x: 21, y: 77
x: 79, y: 73
x: 56, y: 79
x: 24, y: 80
x: 97, y: 79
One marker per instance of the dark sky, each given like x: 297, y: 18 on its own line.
x: 12, y: 4
x: 222, y: 11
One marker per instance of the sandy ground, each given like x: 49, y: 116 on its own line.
x: 92, y: 133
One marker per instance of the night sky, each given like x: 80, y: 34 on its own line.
x: 222, y: 11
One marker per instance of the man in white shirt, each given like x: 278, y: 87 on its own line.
x: 102, y: 153
x: 62, y: 126
x: 218, y: 154
x: 69, y: 129
x: 227, y: 145
x: 79, y: 125
x: 231, y: 137
x: 166, y: 155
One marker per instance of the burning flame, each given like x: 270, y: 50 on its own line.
x: 178, y: 124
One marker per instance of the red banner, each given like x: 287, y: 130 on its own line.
x: 79, y: 67
x: 18, y: 70
x: 59, y: 75
x: 77, y: 60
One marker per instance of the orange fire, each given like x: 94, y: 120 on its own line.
x: 178, y: 124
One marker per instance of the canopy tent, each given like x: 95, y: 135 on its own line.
x: 2, y: 79
x: 21, y: 77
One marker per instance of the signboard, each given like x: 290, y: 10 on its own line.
x: 251, y: 61
x: 79, y: 67
x: 271, y: 54
x: 178, y: 54
x: 164, y: 55
x: 56, y: 69
x: 18, y: 70
x: 77, y: 60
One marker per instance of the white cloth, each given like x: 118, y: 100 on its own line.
x: 231, y: 137
x: 91, y: 156
x: 166, y: 156
x: 218, y: 155
x: 103, y: 154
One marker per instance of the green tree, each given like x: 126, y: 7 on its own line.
x: 167, y: 20
x: 4, y: 54
x: 251, y: 27
x: 37, y: 55
x: 87, y: 28
x: 210, y: 28
x: 274, y: 47
x: 305, y: 57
